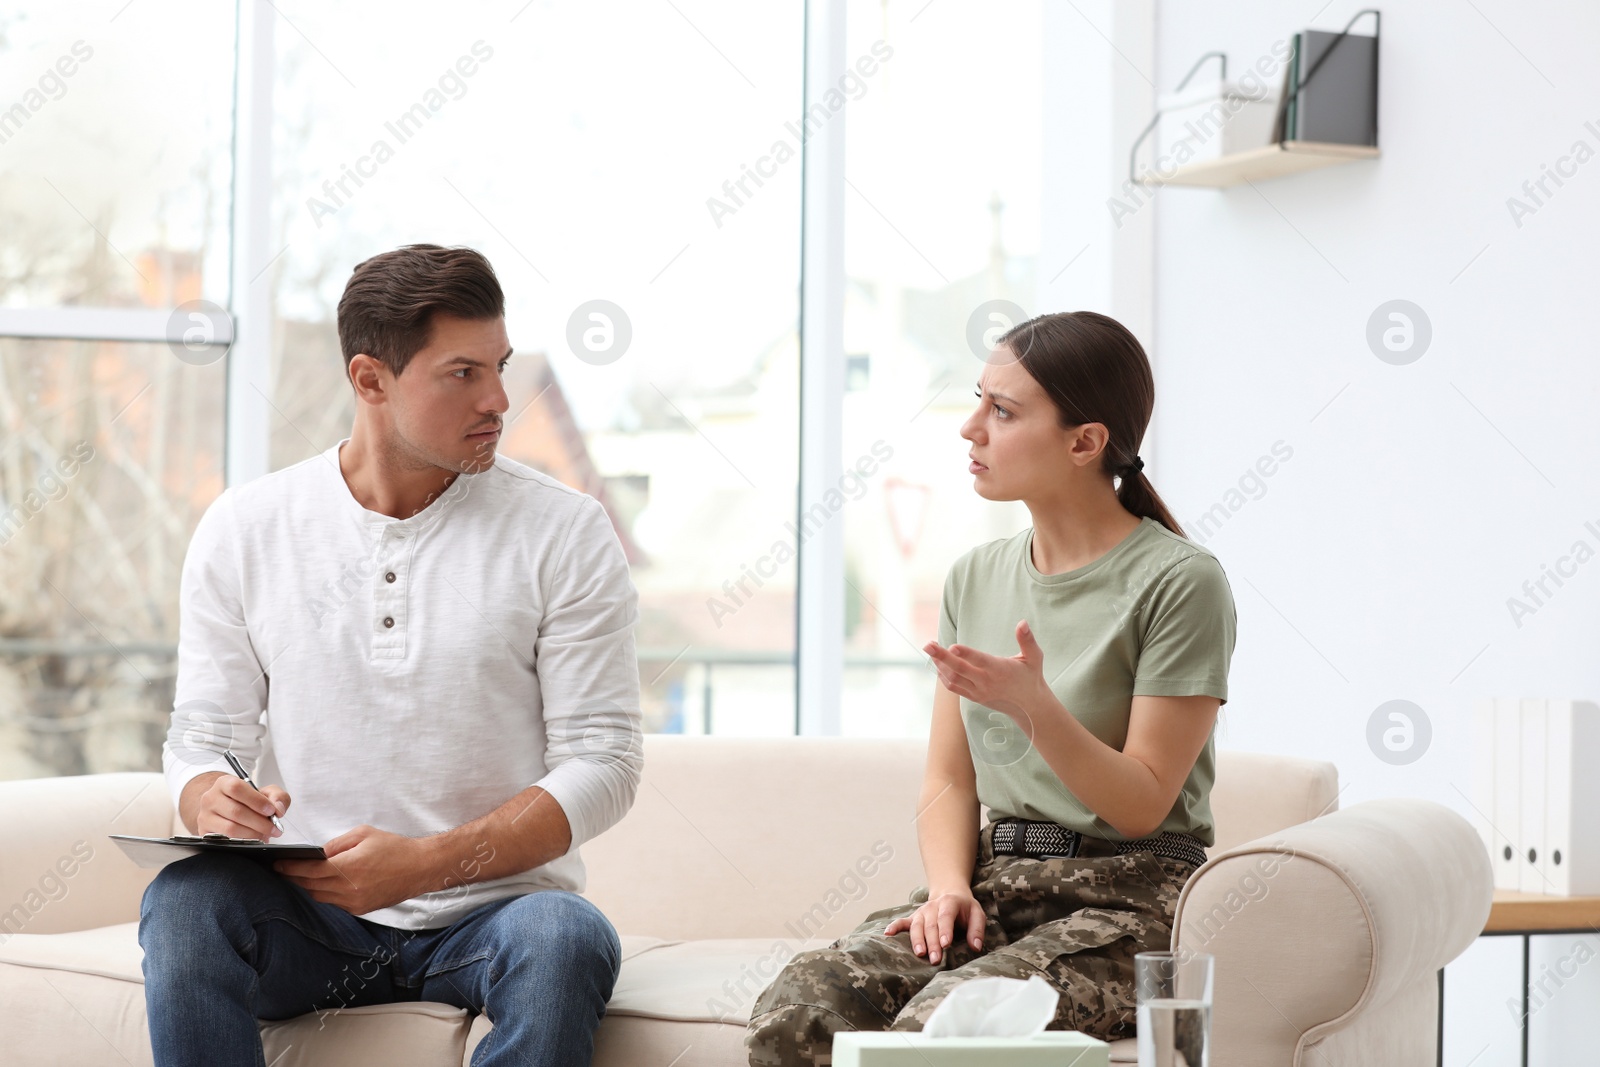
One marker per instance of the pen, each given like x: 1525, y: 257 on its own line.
x: 238, y: 768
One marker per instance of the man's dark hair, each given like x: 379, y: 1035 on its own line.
x: 388, y: 304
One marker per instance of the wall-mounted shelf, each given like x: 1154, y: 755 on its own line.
x: 1269, y: 161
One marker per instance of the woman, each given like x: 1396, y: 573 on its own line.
x: 1078, y: 706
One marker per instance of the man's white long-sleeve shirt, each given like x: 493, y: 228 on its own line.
x: 413, y: 674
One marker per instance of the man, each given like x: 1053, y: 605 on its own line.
x: 424, y: 653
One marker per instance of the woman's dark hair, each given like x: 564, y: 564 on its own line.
x: 1096, y: 371
x: 388, y: 304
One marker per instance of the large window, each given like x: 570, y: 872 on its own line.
x: 638, y: 174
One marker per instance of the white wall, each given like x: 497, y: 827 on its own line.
x: 1377, y: 563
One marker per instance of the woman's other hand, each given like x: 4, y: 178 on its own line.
x: 934, y: 924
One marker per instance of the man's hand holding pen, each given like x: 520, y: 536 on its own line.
x: 232, y: 806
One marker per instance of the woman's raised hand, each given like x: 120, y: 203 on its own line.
x: 1009, y: 684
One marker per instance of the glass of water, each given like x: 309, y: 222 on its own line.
x: 1174, y: 998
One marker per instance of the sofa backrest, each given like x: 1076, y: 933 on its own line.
x: 799, y: 838
x: 789, y: 837
x: 792, y: 838
x: 58, y: 870
x: 1259, y: 793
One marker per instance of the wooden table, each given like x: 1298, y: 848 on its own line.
x: 1523, y: 915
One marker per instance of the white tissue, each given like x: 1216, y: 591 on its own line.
x: 994, y: 1007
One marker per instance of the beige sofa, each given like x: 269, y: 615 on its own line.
x: 1328, y: 927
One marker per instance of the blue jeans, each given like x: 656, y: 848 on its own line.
x: 228, y: 941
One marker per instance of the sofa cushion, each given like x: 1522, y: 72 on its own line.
x: 632, y: 1040
x: 715, y: 980
x: 419, y: 1032
x: 56, y: 1017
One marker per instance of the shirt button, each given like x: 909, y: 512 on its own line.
x: 389, y: 577
x: 388, y: 621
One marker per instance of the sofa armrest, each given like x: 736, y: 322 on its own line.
x: 58, y: 870
x: 1315, y: 924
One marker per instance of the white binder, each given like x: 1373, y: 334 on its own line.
x: 1571, y: 857
x: 1531, y: 820
x: 1505, y: 813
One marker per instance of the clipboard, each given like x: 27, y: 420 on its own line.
x: 160, y: 851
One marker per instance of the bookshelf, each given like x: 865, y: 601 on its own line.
x: 1337, y: 122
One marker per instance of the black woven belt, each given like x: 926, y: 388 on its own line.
x: 1026, y: 837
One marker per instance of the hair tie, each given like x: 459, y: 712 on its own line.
x: 1133, y: 468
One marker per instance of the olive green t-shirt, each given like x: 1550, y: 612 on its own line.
x: 1154, y: 615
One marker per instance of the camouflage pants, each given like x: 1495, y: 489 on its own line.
x: 1074, y: 922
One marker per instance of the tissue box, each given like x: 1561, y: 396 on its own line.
x: 898, y: 1048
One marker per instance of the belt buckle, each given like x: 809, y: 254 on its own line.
x: 1074, y: 843
x: 1102, y: 847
